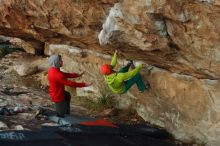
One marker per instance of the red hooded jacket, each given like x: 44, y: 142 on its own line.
x: 57, y: 80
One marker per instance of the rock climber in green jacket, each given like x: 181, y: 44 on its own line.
x: 119, y: 82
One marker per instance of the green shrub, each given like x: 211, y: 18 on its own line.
x: 104, y: 101
x: 7, y: 49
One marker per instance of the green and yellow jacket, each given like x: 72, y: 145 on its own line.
x: 116, y: 80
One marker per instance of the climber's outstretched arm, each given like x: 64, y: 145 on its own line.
x: 114, y: 60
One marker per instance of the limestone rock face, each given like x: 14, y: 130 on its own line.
x: 3, y: 126
x: 181, y: 36
x: 181, y: 39
x: 186, y: 106
x: 40, y: 21
x: 30, y: 64
x: 24, y: 70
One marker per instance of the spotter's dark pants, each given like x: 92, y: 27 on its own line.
x: 63, y: 107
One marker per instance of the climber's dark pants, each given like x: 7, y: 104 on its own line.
x: 137, y: 79
x: 63, y: 107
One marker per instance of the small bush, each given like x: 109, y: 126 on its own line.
x: 7, y: 49
x: 104, y: 101
x: 84, y: 101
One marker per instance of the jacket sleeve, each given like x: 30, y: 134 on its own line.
x: 71, y: 83
x: 125, y: 76
x: 114, y: 60
x: 70, y: 75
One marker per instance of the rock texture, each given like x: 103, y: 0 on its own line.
x: 186, y: 106
x: 179, y: 38
x: 39, y: 21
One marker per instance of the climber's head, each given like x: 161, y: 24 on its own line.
x: 106, y: 69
